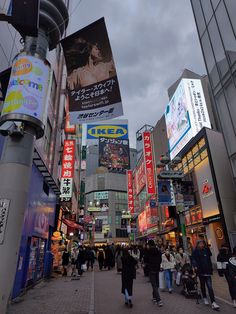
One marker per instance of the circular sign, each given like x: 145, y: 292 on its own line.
x: 56, y: 234
x: 219, y: 233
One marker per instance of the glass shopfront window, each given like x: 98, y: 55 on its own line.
x: 207, y: 9
x: 199, y: 16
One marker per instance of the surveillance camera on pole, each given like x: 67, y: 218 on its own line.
x: 22, y: 121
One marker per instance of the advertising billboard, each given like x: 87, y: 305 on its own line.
x: 113, y: 130
x: 28, y: 87
x: 92, y: 81
x: 148, y: 159
x: 71, y: 129
x: 164, y: 192
x: 151, y: 216
x: 114, y: 154
x: 142, y: 221
x: 185, y: 115
x: 139, y: 177
x: 130, y: 191
x: 67, y: 173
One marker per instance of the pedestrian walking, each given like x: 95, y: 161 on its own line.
x: 73, y: 261
x: 65, y: 261
x: 154, y: 262
x: 127, y: 276
x: 90, y: 257
x: 108, y: 257
x: 203, y: 267
x: 232, y: 276
x: 182, y: 259
x: 168, y: 265
x: 101, y: 257
x: 81, y: 259
x: 119, y: 259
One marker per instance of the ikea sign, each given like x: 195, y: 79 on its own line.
x: 118, y: 131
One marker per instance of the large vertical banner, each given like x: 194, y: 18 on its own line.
x: 114, y: 154
x: 67, y: 172
x: 130, y: 191
x: 92, y: 82
x: 150, y: 181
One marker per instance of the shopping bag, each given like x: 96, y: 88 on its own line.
x: 162, y: 284
x: 178, y: 278
x: 84, y: 267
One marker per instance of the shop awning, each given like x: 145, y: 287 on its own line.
x: 167, y: 231
x: 72, y: 224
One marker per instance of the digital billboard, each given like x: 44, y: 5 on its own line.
x: 92, y: 82
x: 185, y: 115
x: 114, y: 154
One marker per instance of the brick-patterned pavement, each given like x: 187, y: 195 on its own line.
x: 66, y: 296
x: 59, y: 296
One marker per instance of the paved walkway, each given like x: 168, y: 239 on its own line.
x: 99, y: 293
x: 57, y: 296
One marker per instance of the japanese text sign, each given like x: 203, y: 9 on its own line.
x: 67, y: 174
x: 150, y: 181
x: 130, y: 191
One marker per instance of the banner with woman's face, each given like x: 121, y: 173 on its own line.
x: 92, y: 83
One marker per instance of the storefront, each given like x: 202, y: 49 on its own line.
x: 34, y: 256
x: 211, y: 216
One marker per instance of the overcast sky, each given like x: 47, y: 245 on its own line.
x: 152, y: 41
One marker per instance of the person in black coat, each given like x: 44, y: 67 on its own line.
x: 65, y: 261
x: 223, y: 265
x: 203, y: 267
x: 153, y: 259
x: 232, y: 276
x: 81, y: 259
x: 128, y: 275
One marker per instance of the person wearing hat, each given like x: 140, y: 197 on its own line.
x: 154, y: 263
x: 203, y: 267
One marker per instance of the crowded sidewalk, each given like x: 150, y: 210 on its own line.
x: 100, y: 292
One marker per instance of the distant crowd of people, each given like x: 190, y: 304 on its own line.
x: 163, y: 264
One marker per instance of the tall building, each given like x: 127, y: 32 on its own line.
x: 43, y: 202
x: 216, y: 25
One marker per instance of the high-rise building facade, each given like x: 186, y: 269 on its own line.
x: 216, y: 25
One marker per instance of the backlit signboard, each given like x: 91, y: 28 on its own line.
x: 115, y: 129
x: 67, y: 173
x: 185, y: 115
x: 148, y: 160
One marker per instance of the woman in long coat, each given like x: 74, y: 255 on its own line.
x: 128, y: 275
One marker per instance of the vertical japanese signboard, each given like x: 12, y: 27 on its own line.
x: 92, y: 81
x: 130, y: 191
x: 67, y: 173
x: 150, y: 181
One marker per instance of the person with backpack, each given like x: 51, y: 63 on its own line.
x: 90, y: 257
x: 154, y: 261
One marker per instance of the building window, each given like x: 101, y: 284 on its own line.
x: 210, y: 60
x: 207, y: 9
x: 226, y: 32
x: 118, y: 218
x: 120, y: 207
x: 121, y: 233
x: 47, y: 138
x: 199, y: 16
x: 231, y: 8
x: 121, y: 196
x: 215, y: 3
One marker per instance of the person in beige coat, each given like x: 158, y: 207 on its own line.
x: 168, y: 265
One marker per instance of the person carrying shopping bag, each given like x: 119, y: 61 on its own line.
x: 182, y: 259
x: 168, y: 265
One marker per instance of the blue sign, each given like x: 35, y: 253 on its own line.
x: 117, y: 131
x: 164, y: 192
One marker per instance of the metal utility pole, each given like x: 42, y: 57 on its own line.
x: 24, y: 114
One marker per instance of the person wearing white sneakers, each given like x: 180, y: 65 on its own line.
x: 203, y: 267
x: 232, y: 276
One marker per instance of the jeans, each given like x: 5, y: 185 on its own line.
x: 127, y: 297
x: 206, y: 281
x: 168, y: 278
x: 154, y: 279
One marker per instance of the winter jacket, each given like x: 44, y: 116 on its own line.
x: 181, y: 260
x: 153, y: 259
x: 167, y: 264
x: 232, y: 270
x: 222, y: 263
x: 202, y: 261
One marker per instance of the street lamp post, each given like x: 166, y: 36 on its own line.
x: 175, y: 176
x: 21, y: 130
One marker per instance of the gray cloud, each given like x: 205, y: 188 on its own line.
x: 152, y: 42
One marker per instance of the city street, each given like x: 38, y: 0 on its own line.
x: 99, y: 292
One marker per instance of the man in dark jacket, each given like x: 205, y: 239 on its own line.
x: 203, y: 267
x: 153, y: 258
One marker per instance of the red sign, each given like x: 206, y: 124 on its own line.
x: 151, y: 216
x: 130, y: 191
x: 139, y: 177
x: 150, y: 181
x: 68, y: 159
